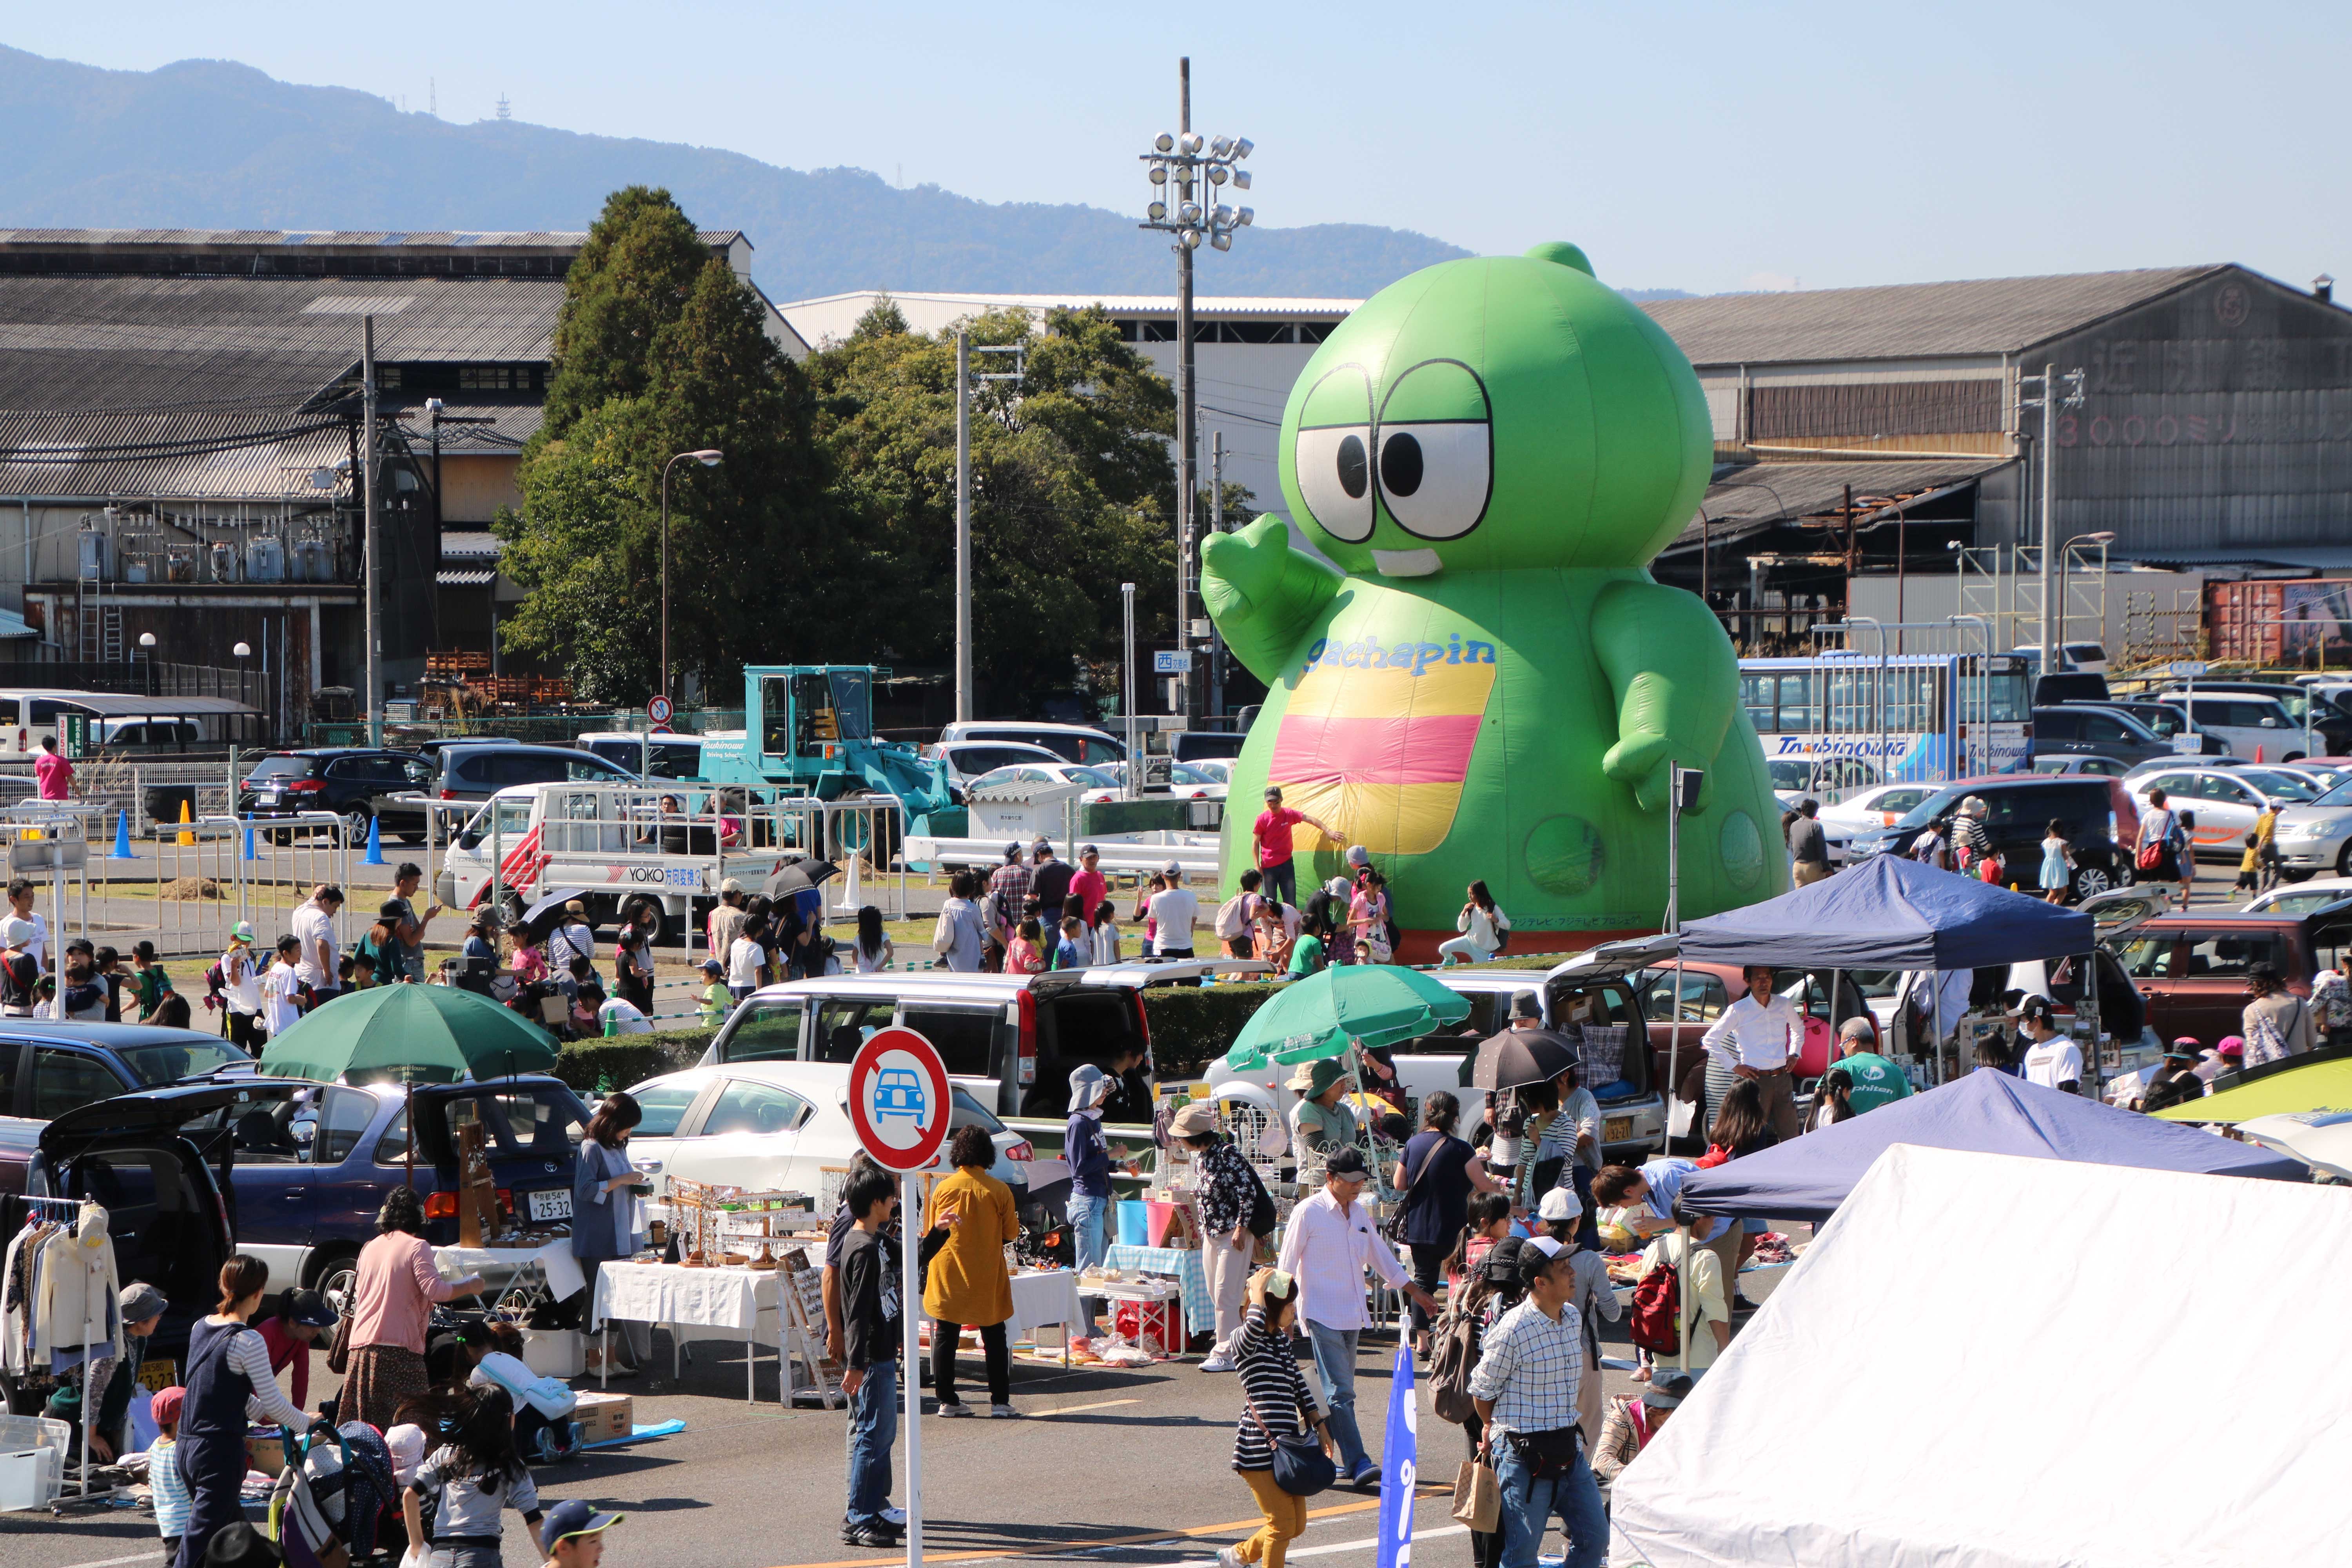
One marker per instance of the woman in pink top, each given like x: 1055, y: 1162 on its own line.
x: 392, y: 1306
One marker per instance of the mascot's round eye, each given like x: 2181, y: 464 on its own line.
x: 1435, y: 477
x: 1334, y: 464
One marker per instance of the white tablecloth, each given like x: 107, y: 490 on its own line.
x: 732, y: 1298
x: 499, y: 1265
x: 1042, y: 1299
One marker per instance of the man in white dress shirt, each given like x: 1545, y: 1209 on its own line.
x: 1755, y: 1038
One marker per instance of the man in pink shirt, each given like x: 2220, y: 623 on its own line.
x: 1088, y: 886
x: 1273, y: 834
x: 51, y: 773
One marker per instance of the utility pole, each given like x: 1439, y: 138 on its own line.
x: 1185, y: 542
x: 963, y: 527
x: 369, y: 557
x: 2049, y: 401
x: 1216, y: 525
x: 1133, y: 773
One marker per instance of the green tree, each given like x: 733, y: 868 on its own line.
x: 1073, y: 487
x: 632, y: 279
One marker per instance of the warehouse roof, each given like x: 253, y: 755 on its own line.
x: 1904, y: 321
x: 1748, y: 499
x: 251, y: 453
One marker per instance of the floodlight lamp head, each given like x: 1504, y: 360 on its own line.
x: 1216, y: 174
x: 1222, y: 240
x: 1164, y: 142
x: 1241, y: 179
x: 1223, y: 217
x: 1244, y: 217
x: 1192, y: 238
x: 1243, y: 146
x: 1189, y: 213
x: 1190, y: 143
x: 1221, y: 146
x: 1156, y: 211
x: 1157, y: 174
x: 434, y: 405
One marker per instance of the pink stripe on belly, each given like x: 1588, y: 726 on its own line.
x: 1431, y: 748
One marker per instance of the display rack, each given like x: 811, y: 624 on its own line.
x: 801, y: 1298
x: 695, y: 1211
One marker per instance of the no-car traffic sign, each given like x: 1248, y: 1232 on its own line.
x: 900, y: 1098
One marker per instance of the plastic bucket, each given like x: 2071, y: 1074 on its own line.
x: 1134, y: 1223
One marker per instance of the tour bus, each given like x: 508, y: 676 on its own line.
x: 1839, y: 721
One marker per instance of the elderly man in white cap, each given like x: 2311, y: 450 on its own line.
x: 727, y: 916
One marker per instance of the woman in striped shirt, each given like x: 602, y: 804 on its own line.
x: 1276, y: 1404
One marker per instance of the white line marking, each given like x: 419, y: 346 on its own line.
x: 119, y: 1562
x: 1325, y: 1551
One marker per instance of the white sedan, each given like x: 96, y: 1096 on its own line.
x: 1187, y: 781
x: 2300, y: 897
x: 1097, y: 781
x: 775, y: 1126
x: 2225, y: 801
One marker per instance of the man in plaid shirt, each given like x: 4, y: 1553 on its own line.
x: 1008, y: 890
x: 1525, y: 1390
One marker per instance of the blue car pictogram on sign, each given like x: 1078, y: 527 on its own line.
x: 899, y: 1091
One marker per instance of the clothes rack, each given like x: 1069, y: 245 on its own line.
x: 35, y: 1207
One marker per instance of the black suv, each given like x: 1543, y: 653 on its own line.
x: 48, y: 1067
x: 2092, y: 812
x: 2080, y: 730
x: 477, y: 773
x: 353, y: 782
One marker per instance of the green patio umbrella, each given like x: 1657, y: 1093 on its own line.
x: 409, y: 1033
x: 1368, y: 1004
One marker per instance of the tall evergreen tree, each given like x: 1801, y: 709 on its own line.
x: 631, y: 279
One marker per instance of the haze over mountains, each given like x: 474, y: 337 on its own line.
x: 214, y: 145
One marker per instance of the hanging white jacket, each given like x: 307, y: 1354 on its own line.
x: 78, y: 1300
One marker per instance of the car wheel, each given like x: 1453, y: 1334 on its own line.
x: 355, y: 822
x: 333, y: 1274
x: 2344, y: 861
x: 2092, y: 881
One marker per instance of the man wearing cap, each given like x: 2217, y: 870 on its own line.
x: 1008, y: 889
x: 2050, y: 1059
x: 1272, y: 833
x: 241, y: 989
x: 140, y: 1307
x: 1327, y: 1244
x: 1050, y: 879
x: 1754, y: 1039
x: 572, y: 1534
x: 2175, y: 1081
x: 1524, y: 1389
x: 1091, y: 1162
x: 727, y: 916
x: 871, y: 1334
x: 298, y: 1326
x: 1173, y: 910
x: 1871, y: 1079
x: 1321, y: 1119
x: 1088, y: 886
x: 315, y: 964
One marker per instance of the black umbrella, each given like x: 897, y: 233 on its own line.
x: 1518, y: 1057
x: 546, y: 914
x: 798, y: 877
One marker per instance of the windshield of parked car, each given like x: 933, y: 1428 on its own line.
x: 970, y: 1112
x: 2187, y: 954
x: 282, y: 768
x: 2278, y: 785
x: 2340, y: 795
x: 1939, y: 803
x: 169, y: 1061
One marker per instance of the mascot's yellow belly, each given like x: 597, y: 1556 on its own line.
x: 1381, y: 744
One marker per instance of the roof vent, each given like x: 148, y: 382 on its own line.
x: 2323, y: 288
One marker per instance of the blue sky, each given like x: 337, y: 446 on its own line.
x: 1698, y: 146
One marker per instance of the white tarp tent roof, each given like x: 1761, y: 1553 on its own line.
x: 1987, y: 1361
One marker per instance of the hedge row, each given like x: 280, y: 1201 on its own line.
x: 599, y: 1065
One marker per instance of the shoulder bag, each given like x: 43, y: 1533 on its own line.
x: 1393, y: 1228
x: 1301, y: 1468
x: 338, y: 1349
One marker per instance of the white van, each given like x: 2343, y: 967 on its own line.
x: 2248, y: 722
x: 653, y: 757
x: 1071, y: 743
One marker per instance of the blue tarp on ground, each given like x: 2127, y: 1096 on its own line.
x: 1987, y: 1112
x: 1891, y: 912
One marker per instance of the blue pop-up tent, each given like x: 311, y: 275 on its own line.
x: 1891, y: 912
x: 1987, y: 1112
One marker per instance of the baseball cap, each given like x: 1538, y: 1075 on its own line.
x: 712, y: 966
x: 1042, y: 846
x: 1359, y: 856
x: 1012, y: 851
x: 2183, y: 1050
x: 1542, y: 1243
x: 574, y: 1515
x: 1346, y: 1161
x: 2230, y: 1045
x: 731, y: 885
x: 311, y: 1310
x: 1089, y: 849
x: 1273, y: 792
x: 1668, y: 1389
x: 1558, y: 1204
x: 2039, y: 1009
x: 1172, y: 868
x: 241, y: 931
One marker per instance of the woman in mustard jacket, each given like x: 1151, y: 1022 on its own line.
x: 968, y: 1283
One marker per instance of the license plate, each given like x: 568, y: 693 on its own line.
x: 156, y: 1376
x: 553, y: 1204
x: 1616, y: 1129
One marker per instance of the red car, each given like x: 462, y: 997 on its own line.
x: 2191, y: 969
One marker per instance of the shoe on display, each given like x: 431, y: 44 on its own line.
x: 1002, y: 1413
x: 953, y: 1408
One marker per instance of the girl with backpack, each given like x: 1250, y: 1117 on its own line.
x: 471, y: 1477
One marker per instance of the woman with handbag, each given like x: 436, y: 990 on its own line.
x: 1437, y: 1175
x: 1276, y: 1447
x: 2154, y: 854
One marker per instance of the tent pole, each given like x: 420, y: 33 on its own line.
x: 2091, y: 1000
x: 1673, y: 1055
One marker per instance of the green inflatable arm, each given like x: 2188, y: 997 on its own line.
x: 1262, y: 592
x: 1676, y: 681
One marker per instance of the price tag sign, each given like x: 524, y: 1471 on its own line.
x: 900, y: 1098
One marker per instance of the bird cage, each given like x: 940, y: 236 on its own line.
x: 1258, y: 1132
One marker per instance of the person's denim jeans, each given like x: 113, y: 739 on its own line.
x: 873, y: 1429
x: 1335, y: 1365
x: 1089, y: 1229
x: 1281, y: 882
x: 1529, y: 1504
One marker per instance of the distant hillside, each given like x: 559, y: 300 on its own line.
x: 213, y: 144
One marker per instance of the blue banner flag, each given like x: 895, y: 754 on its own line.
x: 1399, y: 1447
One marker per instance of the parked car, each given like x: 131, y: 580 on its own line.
x: 1197, y: 746
x: 2191, y: 969
x: 1185, y: 781
x: 157, y: 1159
x: 2300, y: 897
x: 2257, y: 726
x: 2226, y: 801
x: 356, y: 784
x: 658, y: 757
x: 771, y: 1126
x: 479, y: 771
x: 970, y: 760
x: 2316, y: 837
x: 1824, y: 779
x: 2167, y: 723
x: 311, y: 1174
x: 1097, y: 785
x: 2098, y: 815
x: 1071, y: 743
x: 2296, y: 697
x: 2071, y: 729
x: 1012, y: 1040
x: 1633, y: 1108
x: 2106, y: 767
x: 48, y: 1067
x: 2069, y: 686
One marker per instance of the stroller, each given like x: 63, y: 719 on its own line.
x: 330, y: 1498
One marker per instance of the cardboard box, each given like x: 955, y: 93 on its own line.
x: 603, y: 1417
x: 555, y: 1353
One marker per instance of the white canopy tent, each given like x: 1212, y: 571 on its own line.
x: 1985, y: 1362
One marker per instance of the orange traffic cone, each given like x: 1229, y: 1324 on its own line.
x: 188, y: 838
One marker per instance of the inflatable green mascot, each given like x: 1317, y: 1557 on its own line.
x: 1493, y: 450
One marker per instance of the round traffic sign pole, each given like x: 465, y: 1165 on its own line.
x: 900, y: 1098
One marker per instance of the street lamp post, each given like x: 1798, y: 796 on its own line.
x: 2103, y: 538
x: 708, y: 457
x: 1193, y: 166
x: 147, y: 647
